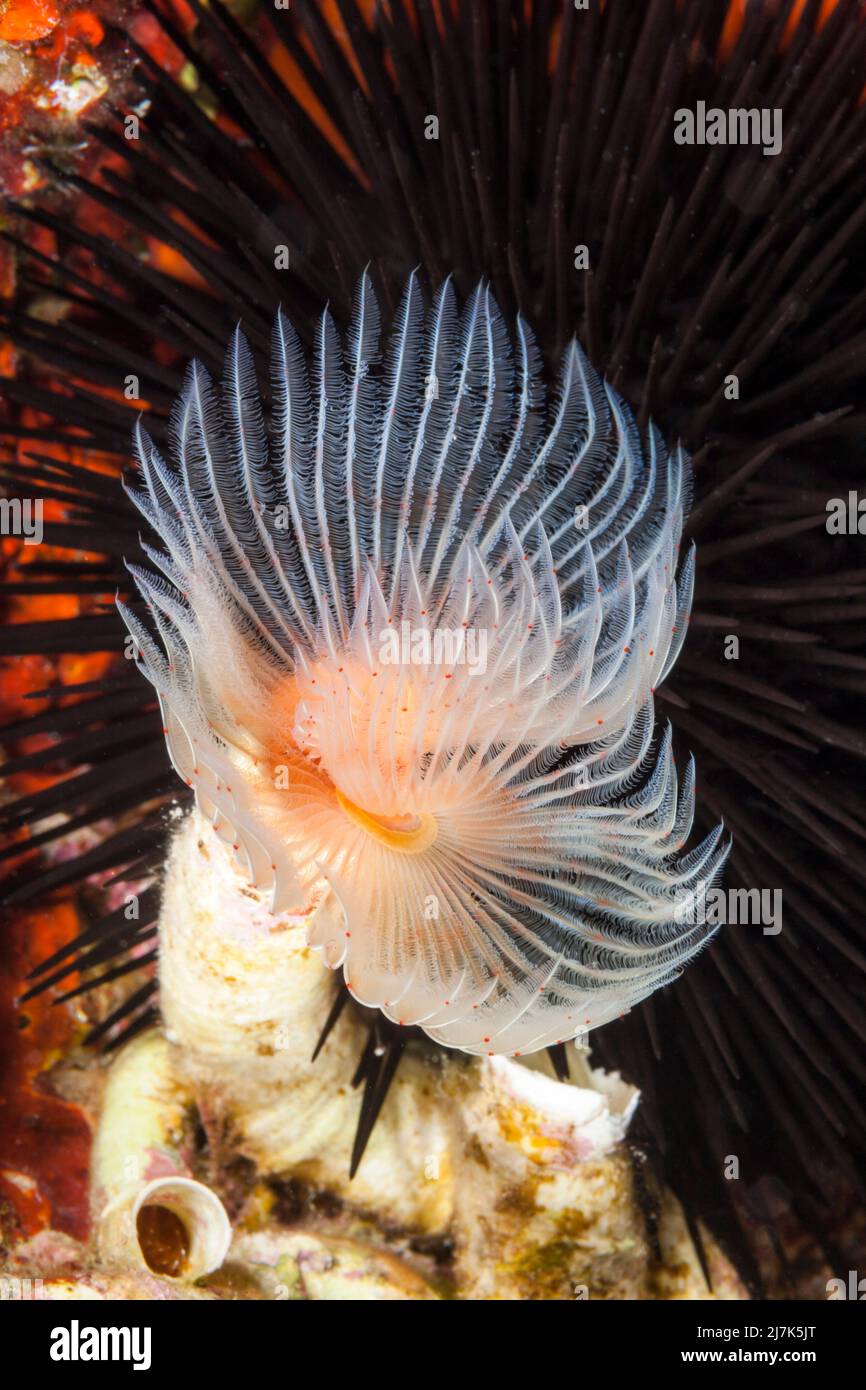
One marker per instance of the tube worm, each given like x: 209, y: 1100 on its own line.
x: 526, y: 1175
x: 149, y: 1213
x: 503, y: 843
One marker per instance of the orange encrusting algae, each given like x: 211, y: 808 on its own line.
x: 54, y: 74
x: 44, y: 1140
x: 22, y: 21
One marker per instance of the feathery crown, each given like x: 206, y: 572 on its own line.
x: 504, y: 844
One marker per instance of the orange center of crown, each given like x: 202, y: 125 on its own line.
x: 409, y: 834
